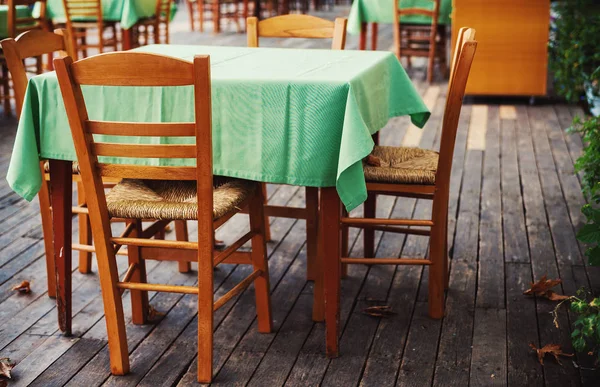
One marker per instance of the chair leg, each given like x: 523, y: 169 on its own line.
x: 191, y: 13
x: 259, y: 262
x: 344, y: 251
x: 46, y: 213
x: 181, y: 234
x: 265, y: 202
x: 6, y: 91
x: 437, y: 255
x: 312, y: 230
x: 139, y: 299
x: 201, y: 14
x: 205, y: 300
x: 85, y: 234
x: 368, y: 233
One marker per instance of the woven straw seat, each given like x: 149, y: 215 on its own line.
x: 176, y: 200
x: 387, y: 164
x: 76, y: 170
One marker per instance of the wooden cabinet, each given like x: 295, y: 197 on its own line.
x: 512, y: 51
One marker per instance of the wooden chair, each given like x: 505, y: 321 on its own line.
x: 185, y: 193
x: 83, y: 16
x: 159, y: 23
x: 215, y: 10
x: 417, y: 173
x: 17, y: 24
x: 35, y: 43
x: 299, y: 26
x: 420, y: 40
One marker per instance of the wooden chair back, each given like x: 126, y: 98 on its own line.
x: 415, y: 48
x: 163, y: 17
x: 297, y: 26
x: 17, y: 25
x: 84, y: 12
x: 32, y: 44
x: 464, y: 53
x: 138, y: 69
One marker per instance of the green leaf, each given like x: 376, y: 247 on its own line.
x: 593, y: 254
x: 589, y: 233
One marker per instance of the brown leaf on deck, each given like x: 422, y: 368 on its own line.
x: 23, y: 287
x: 542, y: 289
x: 5, y: 366
x: 3, y: 383
x: 154, y: 314
x: 552, y: 349
x: 379, y: 311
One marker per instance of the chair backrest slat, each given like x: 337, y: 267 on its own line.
x: 297, y: 26
x: 167, y: 151
x: 32, y: 44
x: 434, y: 13
x: 147, y: 172
x: 142, y: 129
x: 464, y: 53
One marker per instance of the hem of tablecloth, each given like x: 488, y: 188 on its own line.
x: 26, y: 194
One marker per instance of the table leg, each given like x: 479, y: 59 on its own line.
x: 362, y: 41
x: 127, y: 39
x: 257, y: 9
x: 61, y: 191
x: 374, y: 36
x: 216, y: 16
x: 331, y: 213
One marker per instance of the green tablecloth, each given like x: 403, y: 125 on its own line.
x: 127, y: 12
x: 382, y: 11
x: 291, y: 116
x: 22, y: 12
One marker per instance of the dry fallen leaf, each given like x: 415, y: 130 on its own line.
x: 542, y: 288
x: 3, y: 383
x: 23, y: 287
x: 552, y: 349
x: 379, y: 311
x: 5, y: 366
x: 154, y: 314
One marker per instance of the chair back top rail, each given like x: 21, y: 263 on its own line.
x: 33, y: 43
x: 297, y: 26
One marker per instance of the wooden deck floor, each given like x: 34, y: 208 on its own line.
x: 515, y: 208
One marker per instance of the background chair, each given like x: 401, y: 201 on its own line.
x: 420, y: 40
x: 86, y: 15
x: 159, y: 24
x: 299, y: 26
x: 415, y: 173
x: 19, y: 20
x: 187, y: 193
x: 215, y: 10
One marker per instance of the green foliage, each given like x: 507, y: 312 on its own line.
x: 589, y: 162
x: 590, y: 232
x: 574, y: 56
x: 586, y: 332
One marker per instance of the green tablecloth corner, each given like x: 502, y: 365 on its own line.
x: 381, y: 11
x: 299, y: 117
x: 126, y: 12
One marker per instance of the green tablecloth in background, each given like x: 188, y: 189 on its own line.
x: 382, y: 11
x: 291, y: 116
x: 22, y: 12
x: 127, y: 12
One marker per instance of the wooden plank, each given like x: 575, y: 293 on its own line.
x: 516, y: 247
x: 490, y: 274
x: 543, y: 256
x: 521, y: 325
x: 488, y: 361
x: 454, y: 354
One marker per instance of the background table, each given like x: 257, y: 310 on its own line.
x: 382, y: 11
x: 299, y: 117
x: 22, y: 12
x: 126, y: 12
